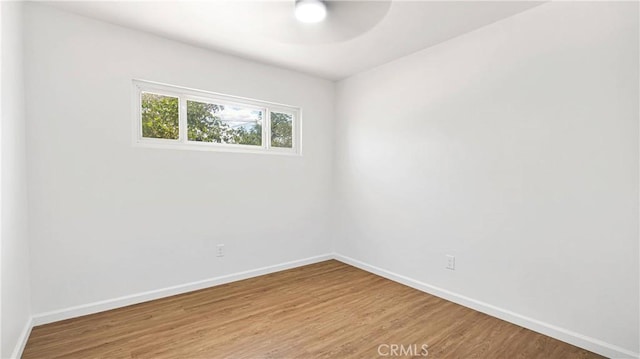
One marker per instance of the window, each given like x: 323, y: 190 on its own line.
x: 159, y: 116
x: 281, y: 125
x: 176, y: 117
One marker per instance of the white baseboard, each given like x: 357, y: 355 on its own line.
x: 109, y: 304
x: 568, y: 336
x: 22, y: 340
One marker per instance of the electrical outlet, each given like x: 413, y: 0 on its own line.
x: 451, y: 262
x: 220, y: 250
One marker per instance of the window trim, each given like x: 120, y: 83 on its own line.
x: 187, y: 94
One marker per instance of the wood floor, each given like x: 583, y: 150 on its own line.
x: 324, y: 310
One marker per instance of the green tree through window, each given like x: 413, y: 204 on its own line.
x: 281, y: 130
x: 159, y: 116
x: 206, y: 123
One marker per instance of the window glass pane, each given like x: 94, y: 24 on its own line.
x: 208, y: 122
x: 159, y: 116
x: 281, y: 130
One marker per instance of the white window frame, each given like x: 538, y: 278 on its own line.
x: 186, y: 94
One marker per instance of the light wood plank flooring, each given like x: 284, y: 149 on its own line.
x: 324, y: 310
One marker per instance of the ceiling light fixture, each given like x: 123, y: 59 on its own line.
x: 310, y: 11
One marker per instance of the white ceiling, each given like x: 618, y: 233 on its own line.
x: 356, y: 36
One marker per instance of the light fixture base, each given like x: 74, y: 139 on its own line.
x: 310, y: 11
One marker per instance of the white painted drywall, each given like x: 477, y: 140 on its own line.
x: 15, y: 303
x: 109, y: 219
x: 513, y: 148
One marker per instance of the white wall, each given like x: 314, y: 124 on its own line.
x: 514, y: 148
x: 109, y: 219
x: 14, y: 245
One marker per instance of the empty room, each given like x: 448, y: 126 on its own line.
x: 319, y: 179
